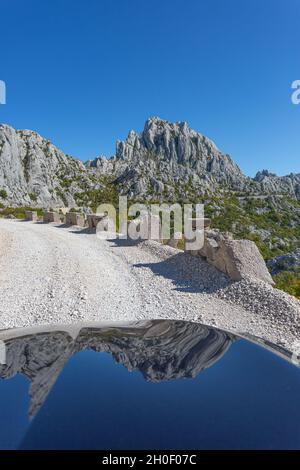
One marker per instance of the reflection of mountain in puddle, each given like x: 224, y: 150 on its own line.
x: 161, y: 350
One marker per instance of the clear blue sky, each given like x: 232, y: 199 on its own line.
x: 83, y: 73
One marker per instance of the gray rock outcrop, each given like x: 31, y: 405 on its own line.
x: 34, y: 172
x: 166, y: 156
x: 272, y: 184
x: 288, y: 262
x: 170, y: 160
x: 238, y: 259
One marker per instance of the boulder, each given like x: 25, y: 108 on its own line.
x: 238, y: 259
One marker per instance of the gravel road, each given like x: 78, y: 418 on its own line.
x: 56, y: 274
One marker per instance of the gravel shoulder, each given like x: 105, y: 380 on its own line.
x: 53, y: 274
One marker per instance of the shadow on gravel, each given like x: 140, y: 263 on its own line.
x: 119, y: 242
x: 63, y: 226
x: 85, y: 230
x: 189, y: 273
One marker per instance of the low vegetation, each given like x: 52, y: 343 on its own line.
x: 3, y: 194
x: 288, y: 282
x: 19, y: 212
x: 107, y: 192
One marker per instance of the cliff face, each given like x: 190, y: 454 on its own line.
x: 34, y: 172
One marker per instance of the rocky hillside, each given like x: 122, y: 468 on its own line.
x: 34, y: 172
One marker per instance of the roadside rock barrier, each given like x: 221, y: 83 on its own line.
x: 31, y: 215
x: 94, y: 219
x: 73, y: 218
x: 51, y: 217
x: 238, y: 259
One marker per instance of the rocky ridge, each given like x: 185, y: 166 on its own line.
x: 165, y: 161
x: 171, y: 160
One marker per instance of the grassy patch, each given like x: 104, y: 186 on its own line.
x: 19, y: 212
x: 288, y: 282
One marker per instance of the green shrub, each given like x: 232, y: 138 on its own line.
x: 3, y: 194
x: 33, y: 197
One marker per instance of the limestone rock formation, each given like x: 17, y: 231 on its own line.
x: 288, y: 262
x: 36, y: 173
x: 165, y: 157
x: 273, y: 184
x: 238, y: 259
x: 170, y: 160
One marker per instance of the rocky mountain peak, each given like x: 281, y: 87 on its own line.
x: 169, y: 141
x: 261, y: 175
x: 167, y: 154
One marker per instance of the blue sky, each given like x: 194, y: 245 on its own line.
x: 83, y: 73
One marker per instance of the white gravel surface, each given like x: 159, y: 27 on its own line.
x: 53, y: 274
